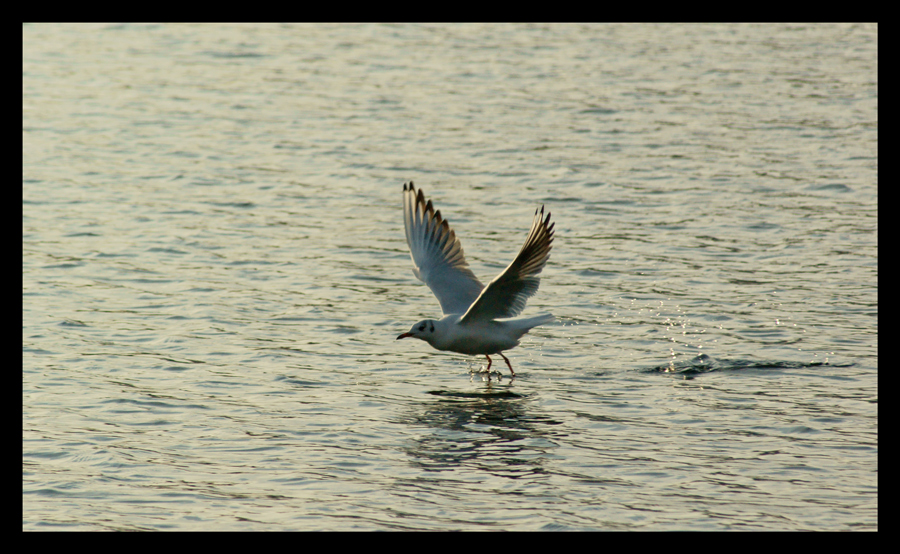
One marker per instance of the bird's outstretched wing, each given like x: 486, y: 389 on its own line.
x: 506, y: 295
x: 437, y: 254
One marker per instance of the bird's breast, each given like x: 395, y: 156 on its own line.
x: 488, y: 338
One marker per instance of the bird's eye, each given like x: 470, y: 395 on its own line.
x: 422, y: 327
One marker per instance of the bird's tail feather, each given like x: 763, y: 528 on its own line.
x: 527, y: 323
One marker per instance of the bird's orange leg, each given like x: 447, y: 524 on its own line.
x: 509, y: 365
x: 489, y: 361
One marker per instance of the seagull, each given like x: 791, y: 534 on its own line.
x: 476, y: 317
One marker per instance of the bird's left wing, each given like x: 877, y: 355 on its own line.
x: 506, y: 295
x: 437, y: 254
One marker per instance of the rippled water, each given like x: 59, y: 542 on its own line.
x: 214, y: 272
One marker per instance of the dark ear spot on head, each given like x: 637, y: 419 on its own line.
x: 432, y: 326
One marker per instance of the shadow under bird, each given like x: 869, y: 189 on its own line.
x: 476, y: 317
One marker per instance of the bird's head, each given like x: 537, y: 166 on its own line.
x: 423, y: 330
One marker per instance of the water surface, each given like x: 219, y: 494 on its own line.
x: 214, y: 272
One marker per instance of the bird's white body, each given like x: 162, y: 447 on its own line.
x: 477, y: 318
x: 478, y: 337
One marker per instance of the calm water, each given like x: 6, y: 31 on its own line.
x: 214, y: 272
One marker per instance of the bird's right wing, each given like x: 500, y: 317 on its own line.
x: 437, y: 255
x: 506, y: 295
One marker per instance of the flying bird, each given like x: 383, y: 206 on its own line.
x: 476, y: 317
